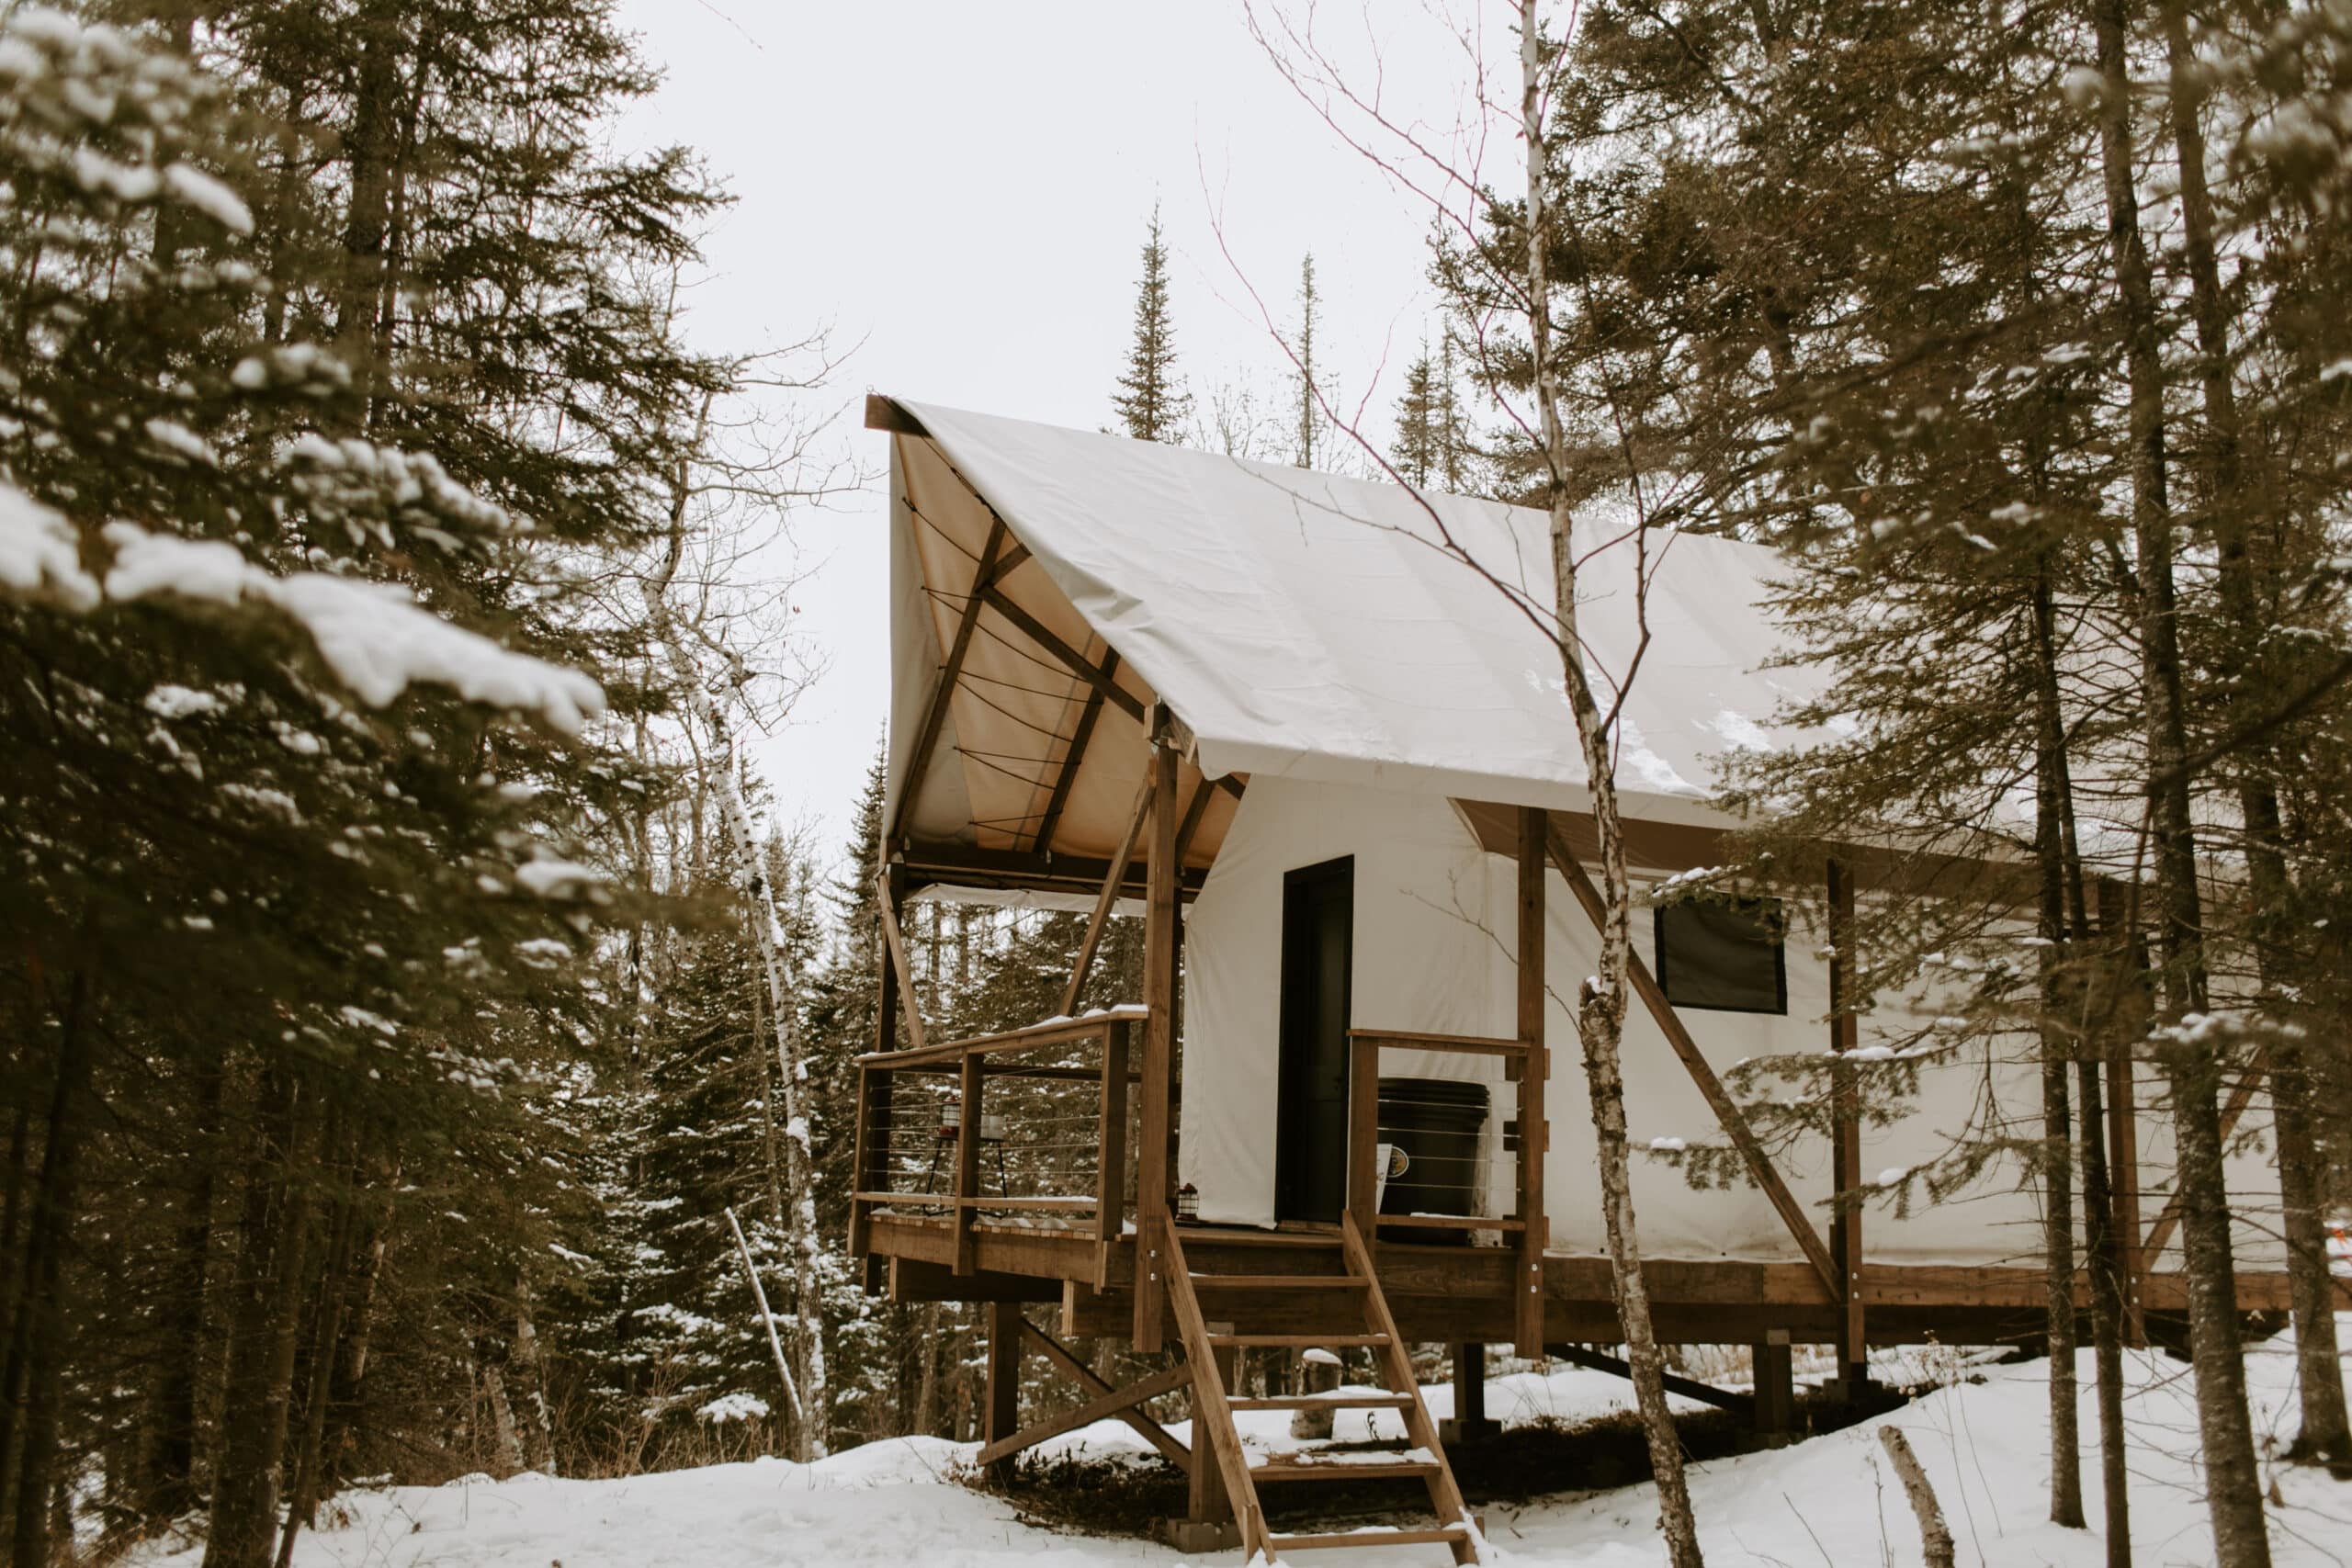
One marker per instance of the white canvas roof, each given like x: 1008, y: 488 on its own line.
x: 1303, y: 625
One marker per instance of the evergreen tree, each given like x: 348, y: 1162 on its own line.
x: 1416, y: 453
x: 1308, y: 386
x: 1152, y: 402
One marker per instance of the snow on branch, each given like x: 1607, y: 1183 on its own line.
x: 38, y: 554
x: 377, y: 639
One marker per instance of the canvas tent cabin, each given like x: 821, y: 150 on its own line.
x: 1314, y: 727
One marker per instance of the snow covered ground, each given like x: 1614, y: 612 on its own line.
x: 1830, y: 1501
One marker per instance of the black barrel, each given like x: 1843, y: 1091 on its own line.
x: 1434, y: 1124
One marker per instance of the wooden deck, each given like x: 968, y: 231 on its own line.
x: 1462, y: 1294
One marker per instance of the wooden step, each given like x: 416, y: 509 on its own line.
x: 1296, y: 1341
x: 1325, y: 1402
x: 1198, y: 1236
x: 1276, y: 1283
x: 1382, y: 1470
x: 1449, y: 1535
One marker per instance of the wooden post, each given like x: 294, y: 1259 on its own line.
x: 1004, y: 1416
x: 1469, y: 1423
x: 1363, y: 1139
x: 1155, y: 1186
x: 1527, y: 1298
x: 866, y: 1172
x: 1208, y: 1503
x: 1111, y: 1174
x: 967, y: 1157
x: 874, y: 1107
x: 1776, y: 1389
x: 1846, y: 1135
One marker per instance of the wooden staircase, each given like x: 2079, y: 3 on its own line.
x: 1356, y: 1312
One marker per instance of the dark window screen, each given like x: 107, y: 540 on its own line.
x: 1726, y: 957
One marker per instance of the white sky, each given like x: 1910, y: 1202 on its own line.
x: 964, y: 187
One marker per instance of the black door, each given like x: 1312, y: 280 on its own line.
x: 1311, y: 1139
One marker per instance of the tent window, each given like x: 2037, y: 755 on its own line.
x: 1723, y: 958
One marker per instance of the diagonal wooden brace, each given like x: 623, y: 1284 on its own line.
x: 1727, y: 1113
x: 1078, y: 1372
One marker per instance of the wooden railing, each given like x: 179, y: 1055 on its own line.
x: 1037, y: 1114
x: 1524, y: 1228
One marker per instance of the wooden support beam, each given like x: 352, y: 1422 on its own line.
x: 2233, y: 1109
x: 1002, y: 1417
x: 1776, y: 1388
x: 934, y: 712
x: 912, y: 1279
x: 1846, y: 1133
x: 1072, y: 757
x: 895, y: 961
x: 1727, y: 1113
x: 1109, y: 896
x: 884, y: 413
x: 1101, y: 1407
x: 1076, y: 662
x: 1705, y: 1394
x: 1155, y: 1178
x: 1469, y: 1422
x: 1534, y: 1130
x: 1078, y: 1372
x: 927, y: 864
x: 1199, y: 807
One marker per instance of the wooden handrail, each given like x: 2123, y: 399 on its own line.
x: 1010, y: 1040
x: 1363, y: 1133
x: 975, y: 1063
x: 982, y: 1201
x: 1463, y: 1045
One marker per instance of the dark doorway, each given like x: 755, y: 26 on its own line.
x: 1311, y: 1137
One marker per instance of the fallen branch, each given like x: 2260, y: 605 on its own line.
x: 1935, y: 1536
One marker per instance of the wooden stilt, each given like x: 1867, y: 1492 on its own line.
x: 1776, y: 1389
x: 1004, y: 1388
x: 1469, y: 1423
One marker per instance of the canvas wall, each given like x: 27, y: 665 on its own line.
x: 1434, y: 924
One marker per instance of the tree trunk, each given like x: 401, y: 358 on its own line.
x: 538, y: 1421
x: 264, y: 1330
x: 803, y: 1243
x: 2326, y: 1434
x: 1935, y: 1536
x: 1600, y: 1009
x: 12, y: 1303
x: 2058, y: 1045
x: 171, y: 1490
x: 334, y: 1286
x: 2234, y: 1495
x: 41, y: 1324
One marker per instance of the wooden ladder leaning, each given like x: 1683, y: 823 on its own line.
x: 1361, y: 1318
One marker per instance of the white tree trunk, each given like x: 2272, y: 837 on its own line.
x: 802, y: 1241
x: 1600, y: 1004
